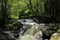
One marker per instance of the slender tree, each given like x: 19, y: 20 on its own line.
x: 3, y: 13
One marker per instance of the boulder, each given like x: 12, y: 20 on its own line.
x: 55, y: 36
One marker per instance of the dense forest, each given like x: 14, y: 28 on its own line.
x: 45, y: 11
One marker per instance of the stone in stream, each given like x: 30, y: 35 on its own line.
x: 55, y: 36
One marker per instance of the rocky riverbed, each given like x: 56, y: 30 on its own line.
x: 28, y: 29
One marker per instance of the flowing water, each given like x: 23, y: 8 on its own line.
x: 30, y: 30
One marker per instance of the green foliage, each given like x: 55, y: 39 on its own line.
x: 29, y: 8
x: 16, y: 6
